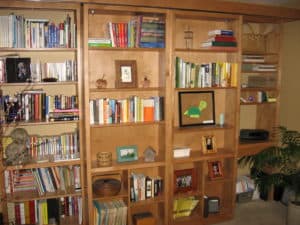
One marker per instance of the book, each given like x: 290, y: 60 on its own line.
x: 219, y: 43
x: 220, y: 32
x: 223, y: 38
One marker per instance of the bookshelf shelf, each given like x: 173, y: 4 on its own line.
x: 257, y: 103
x: 212, y: 49
x: 128, y: 124
x: 45, y: 164
x: 26, y: 195
x: 17, y: 50
x: 126, y: 49
x: 140, y: 164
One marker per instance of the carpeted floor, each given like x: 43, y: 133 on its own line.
x: 259, y: 212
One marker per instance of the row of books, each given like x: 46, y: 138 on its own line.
x: 110, y: 213
x: 259, y: 68
x: 21, y: 32
x: 143, y: 187
x: 45, y: 211
x: 220, y: 38
x: 50, y: 148
x: 33, y: 105
x: 36, y: 72
x: 131, y: 109
x: 43, y: 180
x: 141, y: 31
x: 214, y: 74
x: 253, y: 58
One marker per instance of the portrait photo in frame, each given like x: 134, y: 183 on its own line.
x: 215, y: 170
x: 185, y: 180
x: 196, y: 108
x: 126, y: 74
x: 127, y: 153
x: 209, y: 144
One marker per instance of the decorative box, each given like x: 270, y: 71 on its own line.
x: 179, y: 152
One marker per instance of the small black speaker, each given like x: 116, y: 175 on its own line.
x: 254, y: 135
x: 211, y: 205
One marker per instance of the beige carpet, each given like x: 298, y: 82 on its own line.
x: 259, y: 212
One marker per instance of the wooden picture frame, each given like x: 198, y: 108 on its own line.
x: 127, y: 153
x: 126, y: 74
x: 185, y: 180
x: 196, y: 108
x: 215, y: 170
x: 209, y: 144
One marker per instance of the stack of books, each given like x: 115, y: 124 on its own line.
x: 253, y: 58
x: 139, y: 32
x: 220, y: 38
x: 112, y: 212
x: 152, y: 32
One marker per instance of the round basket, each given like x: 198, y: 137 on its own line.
x: 106, y: 187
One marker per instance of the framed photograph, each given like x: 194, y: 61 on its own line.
x: 18, y: 70
x: 126, y: 74
x: 185, y: 180
x: 215, y: 169
x: 196, y: 108
x: 127, y: 153
x: 209, y: 144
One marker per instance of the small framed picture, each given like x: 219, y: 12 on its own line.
x: 127, y: 153
x: 18, y: 70
x: 126, y: 74
x: 215, y: 169
x: 209, y: 144
x: 185, y: 180
x: 196, y: 108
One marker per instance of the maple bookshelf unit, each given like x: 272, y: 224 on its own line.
x: 260, y: 79
x: 125, y: 123
x: 224, y: 88
x: 55, y: 142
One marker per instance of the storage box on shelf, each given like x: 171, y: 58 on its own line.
x: 208, y: 73
x: 41, y: 94
x: 125, y: 116
x: 260, y: 78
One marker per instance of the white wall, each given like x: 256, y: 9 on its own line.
x: 290, y: 91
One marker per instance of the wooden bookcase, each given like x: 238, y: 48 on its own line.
x: 107, y: 135
x: 260, y: 79
x: 225, y: 102
x: 254, y: 36
x: 54, y: 13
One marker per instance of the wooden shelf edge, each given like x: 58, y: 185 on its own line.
x: 245, y: 149
x: 44, y: 164
x: 33, y: 195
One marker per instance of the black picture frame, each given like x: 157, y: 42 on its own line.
x: 196, y: 108
x: 18, y: 70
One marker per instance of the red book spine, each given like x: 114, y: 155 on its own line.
x: 32, y: 211
x: 17, y: 213
x: 224, y: 38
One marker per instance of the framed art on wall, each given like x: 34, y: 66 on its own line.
x: 196, y: 108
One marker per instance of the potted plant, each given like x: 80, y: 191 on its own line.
x: 278, y: 165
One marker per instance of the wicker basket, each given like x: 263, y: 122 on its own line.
x: 106, y: 187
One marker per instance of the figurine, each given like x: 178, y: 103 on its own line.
x: 146, y: 82
x: 17, y: 152
x: 149, y: 154
x: 101, y: 83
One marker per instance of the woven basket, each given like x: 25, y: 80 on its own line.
x: 106, y: 187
